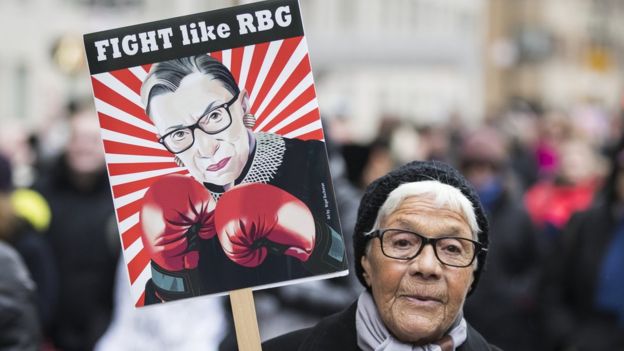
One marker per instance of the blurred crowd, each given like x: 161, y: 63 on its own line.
x: 551, y: 180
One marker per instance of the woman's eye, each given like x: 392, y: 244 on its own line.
x: 402, y: 244
x: 454, y: 249
x: 215, y: 116
x: 179, y: 135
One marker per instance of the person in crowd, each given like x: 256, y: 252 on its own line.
x: 520, y: 124
x: 16, y: 145
x: 19, y: 322
x: 420, y: 245
x: 163, y: 326
x: 554, y: 129
x: 204, y: 119
x: 582, y: 304
x: 511, y: 279
x: 551, y: 202
x: 84, y: 242
x: 18, y: 231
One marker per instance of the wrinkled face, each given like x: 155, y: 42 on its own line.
x: 419, y: 299
x: 219, y: 158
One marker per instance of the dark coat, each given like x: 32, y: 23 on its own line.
x: 509, y: 281
x: 19, y: 325
x: 37, y: 255
x: 569, y: 290
x: 337, y: 332
x: 85, y: 245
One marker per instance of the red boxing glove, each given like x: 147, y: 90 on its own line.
x: 254, y: 218
x: 176, y: 210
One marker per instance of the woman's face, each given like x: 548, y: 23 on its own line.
x: 218, y: 158
x: 418, y: 300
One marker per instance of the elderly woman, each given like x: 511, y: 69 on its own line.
x: 420, y: 245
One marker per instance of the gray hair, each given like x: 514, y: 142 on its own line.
x: 165, y: 77
x: 443, y: 195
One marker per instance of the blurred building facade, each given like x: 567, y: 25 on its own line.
x: 555, y: 51
x: 414, y: 59
x: 42, y: 61
x: 420, y: 60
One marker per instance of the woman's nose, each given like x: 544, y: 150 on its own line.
x: 206, y: 144
x: 426, y: 264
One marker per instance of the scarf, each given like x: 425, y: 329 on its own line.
x: 373, y: 335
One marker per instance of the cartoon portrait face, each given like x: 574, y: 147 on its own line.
x: 202, y: 123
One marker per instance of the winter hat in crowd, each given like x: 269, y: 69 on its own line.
x: 377, y: 193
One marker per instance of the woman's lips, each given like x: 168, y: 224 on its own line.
x: 219, y: 165
x: 423, y: 300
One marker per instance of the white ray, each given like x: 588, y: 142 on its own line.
x: 289, y: 68
x: 247, y: 56
x: 129, y: 139
x: 122, y: 158
x: 305, y: 129
x: 138, y: 287
x: 128, y: 223
x: 117, y: 86
x: 226, y: 57
x: 123, y: 116
x: 264, y: 69
x: 129, y: 198
x: 138, y: 72
x: 298, y: 90
x: 302, y: 111
x: 132, y: 177
x: 133, y: 249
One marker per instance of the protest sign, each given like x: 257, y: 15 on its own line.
x: 215, y: 152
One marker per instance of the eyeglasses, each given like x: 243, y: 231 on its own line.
x: 212, y: 122
x: 403, y: 244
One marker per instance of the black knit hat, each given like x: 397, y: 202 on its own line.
x: 377, y: 193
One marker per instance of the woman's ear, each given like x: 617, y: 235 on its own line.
x: 366, y: 268
x: 245, y: 101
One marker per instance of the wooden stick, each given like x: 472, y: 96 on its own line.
x: 245, y: 321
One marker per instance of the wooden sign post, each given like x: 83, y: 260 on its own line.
x: 245, y: 321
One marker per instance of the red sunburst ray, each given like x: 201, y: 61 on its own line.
x: 130, y: 187
x: 313, y: 135
x: 302, y: 99
x: 300, y: 122
x: 128, y: 168
x: 217, y: 55
x: 115, y: 147
x: 141, y: 301
x: 259, y: 53
x: 128, y: 210
x: 108, y: 95
x: 300, y: 72
x: 283, y: 55
x: 131, y: 235
x: 237, y: 61
x: 115, y: 125
x: 128, y: 79
x: 137, y: 265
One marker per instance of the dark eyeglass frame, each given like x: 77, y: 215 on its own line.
x: 194, y: 126
x: 379, y: 233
